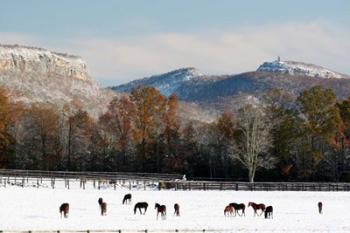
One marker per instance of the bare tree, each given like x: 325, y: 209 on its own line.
x: 253, y: 139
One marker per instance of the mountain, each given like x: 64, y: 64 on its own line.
x: 299, y: 69
x: 166, y: 83
x: 219, y: 90
x: 38, y: 75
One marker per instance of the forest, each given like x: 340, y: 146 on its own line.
x: 277, y: 138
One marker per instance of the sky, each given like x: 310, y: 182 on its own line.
x: 126, y: 40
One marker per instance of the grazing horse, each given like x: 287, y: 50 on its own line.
x: 103, y: 206
x: 64, y: 209
x: 269, y: 212
x: 177, y: 209
x: 319, y: 204
x: 257, y: 207
x: 160, y: 209
x: 228, y: 211
x: 141, y: 205
x: 127, y: 198
x: 237, y: 207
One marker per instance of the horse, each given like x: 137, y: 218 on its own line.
x: 103, y: 206
x: 160, y: 209
x: 257, y: 207
x: 177, y: 209
x: 141, y: 205
x: 319, y: 204
x: 237, y: 207
x: 269, y: 212
x: 228, y: 211
x: 64, y: 209
x: 127, y: 198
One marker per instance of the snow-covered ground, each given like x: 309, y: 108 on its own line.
x: 31, y: 208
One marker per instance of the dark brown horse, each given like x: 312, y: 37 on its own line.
x: 127, y: 198
x: 319, y: 204
x: 269, y: 212
x: 228, y: 211
x: 238, y: 207
x: 257, y: 207
x: 64, y: 209
x: 160, y: 209
x: 177, y: 209
x: 103, y: 206
x: 141, y: 205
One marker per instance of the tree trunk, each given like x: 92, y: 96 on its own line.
x: 251, y: 175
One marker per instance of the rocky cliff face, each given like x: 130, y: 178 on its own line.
x: 38, y: 75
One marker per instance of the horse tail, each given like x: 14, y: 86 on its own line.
x: 135, y: 209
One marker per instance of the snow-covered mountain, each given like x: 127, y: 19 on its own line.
x: 220, y: 90
x: 166, y: 83
x: 299, y: 69
x: 38, y: 75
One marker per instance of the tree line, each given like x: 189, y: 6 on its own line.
x: 275, y: 138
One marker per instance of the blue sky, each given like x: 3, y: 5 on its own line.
x: 125, y: 40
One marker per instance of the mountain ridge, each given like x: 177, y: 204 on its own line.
x: 34, y: 74
x: 214, y: 88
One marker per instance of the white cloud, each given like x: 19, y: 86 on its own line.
x: 117, y: 60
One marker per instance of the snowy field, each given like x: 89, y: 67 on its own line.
x: 31, y: 208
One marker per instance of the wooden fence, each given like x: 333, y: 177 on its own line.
x: 97, y: 179
x: 257, y: 186
x: 163, y: 181
x: 121, y: 231
x: 89, y: 175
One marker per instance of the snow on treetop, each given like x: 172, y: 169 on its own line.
x: 299, y: 69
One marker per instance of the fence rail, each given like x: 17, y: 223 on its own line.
x: 258, y: 186
x: 89, y: 175
x: 121, y: 231
x: 166, y: 181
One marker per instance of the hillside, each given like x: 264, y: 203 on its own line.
x: 293, y: 77
x: 38, y: 75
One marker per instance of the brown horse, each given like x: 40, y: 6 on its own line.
x: 160, y: 209
x: 103, y: 206
x: 127, y: 198
x: 177, y: 209
x: 269, y: 212
x: 319, y: 204
x: 228, y: 211
x: 64, y: 209
x: 237, y: 207
x: 141, y: 205
x: 257, y: 207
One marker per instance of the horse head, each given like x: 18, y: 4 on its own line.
x: 156, y: 206
x: 100, y: 201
